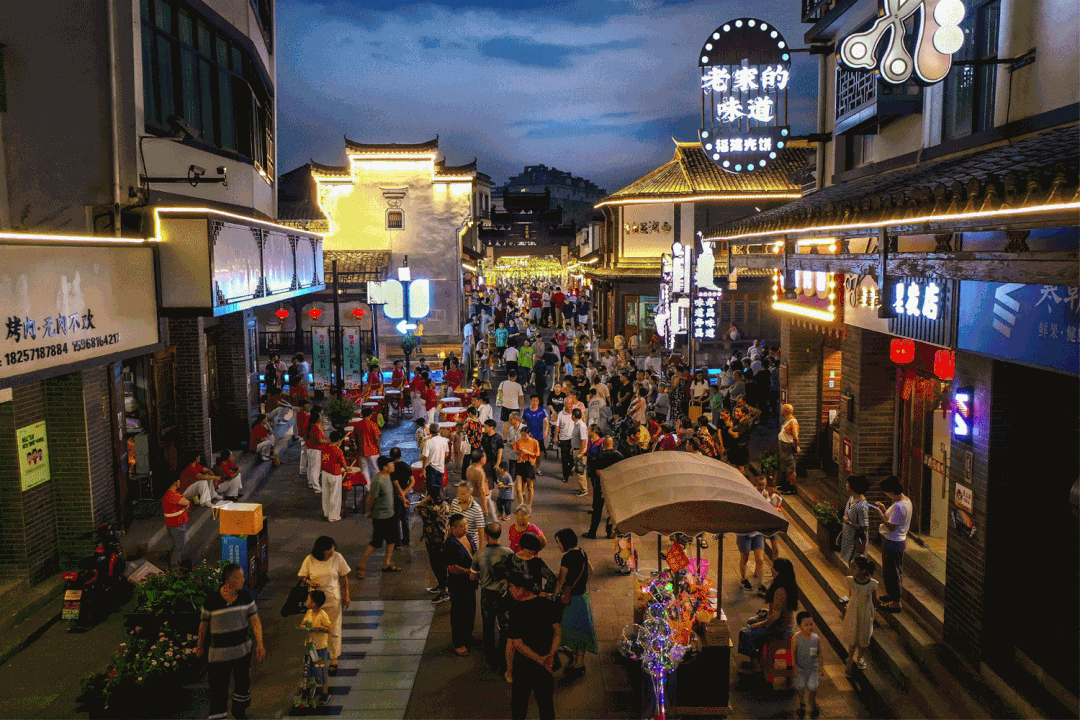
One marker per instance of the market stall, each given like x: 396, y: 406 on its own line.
x: 683, y: 493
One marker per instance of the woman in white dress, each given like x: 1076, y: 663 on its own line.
x: 325, y: 569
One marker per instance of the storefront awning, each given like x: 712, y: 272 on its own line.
x: 668, y: 492
x: 630, y: 270
x: 214, y: 262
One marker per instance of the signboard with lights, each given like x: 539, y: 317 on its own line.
x: 815, y: 295
x: 745, y: 71
x: 924, y: 309
x: 937, y: 36
x: 963, y: 413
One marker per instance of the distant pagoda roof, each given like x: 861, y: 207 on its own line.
x: 423, y: 148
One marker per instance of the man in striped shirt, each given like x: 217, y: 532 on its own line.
x: 229, y: 619
x: 467, y: 506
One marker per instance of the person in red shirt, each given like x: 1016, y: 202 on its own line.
x: 431, y: 401
x: 536, y: 303
x: 454, y: 376
x: 332, y: 464
x: 397, y: 381
x: 198, y: 483
x: 262, y: 439
x: 313, y: 440
x: 174, y: 508
x: 667, y: 441
x: 374, y: 380
x: 416, y: 392
x: 557, y: 299
x: 367, y: 437
x: 303, y: 417
x: 230, y: 484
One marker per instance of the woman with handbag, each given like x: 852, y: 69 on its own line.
x: 856, y: 519
x: 571, y: 591
x: 325, y: 569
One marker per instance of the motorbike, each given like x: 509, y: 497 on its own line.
x: 88, y: 589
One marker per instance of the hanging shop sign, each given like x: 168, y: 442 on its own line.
x: 745, y: 71
x: 33, y: 451
x: 925, y: 309
x: 681, y: 268
x: 1032, y: 324
x: 353, y: 372
x: 320, y: 356
x: 862, y: 299
x: 663, y: 316
x: 963, y: 498
x: 704, y: 318
x: 963, y: 413
x: 938, y: 36
x: 66, y: 305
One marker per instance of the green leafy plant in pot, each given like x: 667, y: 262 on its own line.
x: 340, y: 411
x: 828, y: 526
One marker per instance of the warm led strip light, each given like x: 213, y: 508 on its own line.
x: 804, y: 311
x: 211, y: 211
x: 697, y: 198
x: 1004, y: 212
x: 42, y: 237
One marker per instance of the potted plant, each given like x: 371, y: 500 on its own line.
x: 173, y: 598
x: 769, y: 464
x: 340, y: 411
x: 828, y: 526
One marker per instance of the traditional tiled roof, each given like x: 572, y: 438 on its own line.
x: 297, y: 199
x: 1032, y: 171
x: 371, y: 264
x: 330, y: 171
x: 441, y: 168
x: 691, y: 174
x: 635, y: 268
x: 392, y: 148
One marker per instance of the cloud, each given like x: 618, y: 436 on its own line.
x: 599, y: 93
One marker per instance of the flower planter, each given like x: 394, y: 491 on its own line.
x: 151, y: 623
x: 828, y: 537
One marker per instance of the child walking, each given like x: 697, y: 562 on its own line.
x: 505, y: 501
x: 807, y: 665
x: 317, y: 655
x: 859, y: 617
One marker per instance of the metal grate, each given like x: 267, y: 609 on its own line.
x: 854, y: 90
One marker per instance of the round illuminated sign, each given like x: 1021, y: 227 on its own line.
x: 745, y: 72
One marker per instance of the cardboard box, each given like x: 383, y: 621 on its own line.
x: 249, y: 552
x: 240, y: 518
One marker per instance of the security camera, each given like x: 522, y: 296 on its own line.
x: 196, y: 171
x: 182, y: 129
x: 221, y: 170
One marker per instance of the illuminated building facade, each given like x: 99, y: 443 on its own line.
x: 398, y: 200
x: 929, y: 289
x: 138, y: 213
x: 675, y: 203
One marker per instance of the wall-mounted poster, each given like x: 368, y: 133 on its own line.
x: 33, y: 454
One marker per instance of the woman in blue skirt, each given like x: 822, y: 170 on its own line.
x: 578, y: 628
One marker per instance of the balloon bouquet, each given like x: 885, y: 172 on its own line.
x: 675, y: 600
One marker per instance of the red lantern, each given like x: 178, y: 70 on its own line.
x: 281, y: 313
x: 902, y: 350
x: 358, y: 313
x: 945, y: 364
x: 314, y: 313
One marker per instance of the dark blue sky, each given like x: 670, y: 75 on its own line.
x: 594, y: 87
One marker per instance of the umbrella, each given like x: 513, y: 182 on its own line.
x: 668, y: 492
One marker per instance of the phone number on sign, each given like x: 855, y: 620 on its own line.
x: 48, y: 351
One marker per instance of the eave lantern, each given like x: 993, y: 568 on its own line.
x: 945, y: 364
x: 281, y: 313
x: 314, y: 313
x: 358, y: 313
x: 902, y: 350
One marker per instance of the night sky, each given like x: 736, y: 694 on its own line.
x: 594, y: 87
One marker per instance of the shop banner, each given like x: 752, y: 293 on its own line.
x: 64, y: 305
x: 33, y: 455
x: 1035, y: 324
x: 320, y: 356
x: 354, y: 370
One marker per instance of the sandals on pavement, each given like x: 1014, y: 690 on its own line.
x: 391, y: 568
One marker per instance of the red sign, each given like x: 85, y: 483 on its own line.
x: 847, y: 454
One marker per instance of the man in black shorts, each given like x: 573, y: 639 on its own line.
x: 380, y: 506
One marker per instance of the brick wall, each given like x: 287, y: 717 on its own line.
x: 12, y: 547
x: 870, y: 377
x: 237, y: 406
x: 801, y: 350
x: 965, y: 558
x: 188, y: 336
